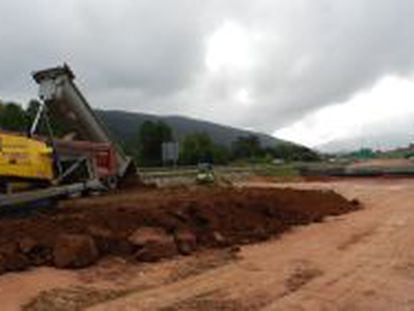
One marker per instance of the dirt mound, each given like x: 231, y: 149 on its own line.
x: 154, y: 224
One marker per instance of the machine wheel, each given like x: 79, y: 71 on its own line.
x: 111, y: 183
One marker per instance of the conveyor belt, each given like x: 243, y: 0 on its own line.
x: 27, y: 197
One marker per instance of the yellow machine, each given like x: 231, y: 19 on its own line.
x: 33, y: 172
x: 23, y: 158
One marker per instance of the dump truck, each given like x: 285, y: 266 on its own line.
x: 85, y: 157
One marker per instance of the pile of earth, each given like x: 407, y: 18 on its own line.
x: 148, y: 225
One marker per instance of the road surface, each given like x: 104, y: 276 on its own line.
x: 359, y: 261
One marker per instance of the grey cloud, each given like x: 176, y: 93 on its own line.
x: 155, y: 46
x: 149, y: 55
x: 349, y: 46
x: 380, y: 135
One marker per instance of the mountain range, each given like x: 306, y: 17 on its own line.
x: 125, y: 125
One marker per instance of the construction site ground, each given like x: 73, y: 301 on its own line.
x: 361, y: 260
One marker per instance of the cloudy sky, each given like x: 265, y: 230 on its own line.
x: 330, y: 74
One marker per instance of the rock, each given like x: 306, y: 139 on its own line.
x: 235, y: 249
x: 145, y: 235
x: 261, y: 234
x: 108, y: 243
x: 186, y: 241
x: 355, y: 202
x: 74, y: 251
x: 27, y: 244
x: 99, y: 231
x: 40, y: 256
x: 12, y: 259
x: 102, y: 237
x: 219, y: 238
x: 152, y: 244
x: 2, y: 264
x: 180, y: 215
x: 37, y: 253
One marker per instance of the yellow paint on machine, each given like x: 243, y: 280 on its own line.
x: 26, y: 158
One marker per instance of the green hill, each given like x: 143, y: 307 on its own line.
x: 125, y: 125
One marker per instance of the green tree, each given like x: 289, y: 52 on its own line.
x: 13, y: 118
x: 247, y: 147
x: 291, y: 152
x: 150, y: 137
x: 221, y: 154
x: 196, y: 147
x: 32, y: 109
x: 58, y: 126
x: 364, y: 153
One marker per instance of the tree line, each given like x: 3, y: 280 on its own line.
x: 199, y: 147
x: 146, y: 145
x: 14, y: 118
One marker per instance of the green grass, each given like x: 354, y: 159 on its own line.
x: 285, y: 170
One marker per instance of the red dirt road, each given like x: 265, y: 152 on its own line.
x: 363, y: 260
x: 359, y: 261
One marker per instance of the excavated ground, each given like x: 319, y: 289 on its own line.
x: 150, y: 224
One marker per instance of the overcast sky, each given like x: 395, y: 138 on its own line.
x: 326, y: 73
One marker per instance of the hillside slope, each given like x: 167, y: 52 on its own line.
x: 125, y: 125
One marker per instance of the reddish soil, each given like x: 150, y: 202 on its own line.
x: 358, y: 261
x: 183, y: 220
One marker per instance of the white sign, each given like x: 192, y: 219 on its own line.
x: 170, y: 152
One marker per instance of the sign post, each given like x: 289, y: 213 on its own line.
x: 170, y: 152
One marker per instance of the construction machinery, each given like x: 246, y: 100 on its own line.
x: 205, y: 174
x: 84, y: 157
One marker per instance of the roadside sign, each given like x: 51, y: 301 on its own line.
x: 170, y: 152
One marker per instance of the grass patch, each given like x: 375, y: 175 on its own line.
x: 285, y: 170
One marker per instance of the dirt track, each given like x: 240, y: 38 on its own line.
x: 358, y: 261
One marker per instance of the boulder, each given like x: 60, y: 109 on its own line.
x: 152, y: 244
x: 74, y: 251
x: 186, y: 241
x: 27, y: 244
x: 110, y: 243
x: 11, y: 258
x: 37, y: 253
x: 219, y: 239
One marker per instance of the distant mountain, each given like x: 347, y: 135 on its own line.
x: 381, y: 139
x: 125, y: 125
